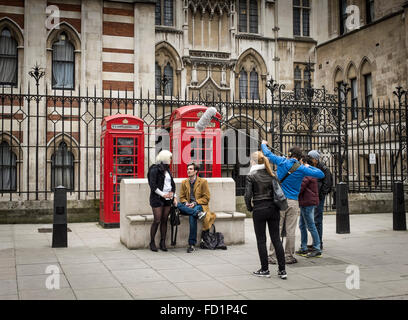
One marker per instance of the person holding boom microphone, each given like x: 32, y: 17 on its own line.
x: 290, y: 174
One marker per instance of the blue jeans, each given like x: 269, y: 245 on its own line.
x: 318, y: 218
x: 307, y: 221
x: 192, y: 215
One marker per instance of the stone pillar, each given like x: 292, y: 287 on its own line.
x: 144, y: 58
x: 145, y: 46
x: 91, y: 78
x: 34, y: 127
x: 91, y: 44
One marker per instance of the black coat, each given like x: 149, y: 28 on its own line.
x: 156, y: 176
x: 325, y: 184
x: 258, y: 188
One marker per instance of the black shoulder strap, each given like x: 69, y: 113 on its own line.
x: 295, y: 166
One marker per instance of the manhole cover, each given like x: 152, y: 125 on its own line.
x: 49, y: 230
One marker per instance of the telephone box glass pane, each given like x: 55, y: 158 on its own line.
x: 124, y: 165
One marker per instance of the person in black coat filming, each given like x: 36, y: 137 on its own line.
x: 162, y: 195
x: 259, y: 190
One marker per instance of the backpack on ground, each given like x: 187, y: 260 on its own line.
x: 210, y: 239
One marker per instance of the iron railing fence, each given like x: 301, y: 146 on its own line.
x: 56, y: 135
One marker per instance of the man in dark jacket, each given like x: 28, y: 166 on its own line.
x: 324, y: 185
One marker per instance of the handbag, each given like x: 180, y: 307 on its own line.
x: 174, y: 222
x: 279, y: 197
x: 210, y: 239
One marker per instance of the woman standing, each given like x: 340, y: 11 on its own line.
x: 162, y: 194
x: 259, y: 190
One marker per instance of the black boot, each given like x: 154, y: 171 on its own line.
x: 163, y: 245
x: 153, y: 246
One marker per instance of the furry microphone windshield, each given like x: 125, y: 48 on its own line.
x: 205, y: 119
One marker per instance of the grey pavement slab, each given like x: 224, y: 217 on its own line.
x: 45, y: 294
x: 93, y: 268
x: 323, y: 294
x: 40, y: 282
x: 133, y: 277
x: 97, y: 266
x: 205, y: 289
x: 8, y: 273
x: 92, y: 281
x: 247, y: 282
x: 154, y: 290
x: 270, y: 294
x: 36, y: 269
x: 125, y: 264
x: 8, y: 287
x: 103, y: 294
x: 185, y: 275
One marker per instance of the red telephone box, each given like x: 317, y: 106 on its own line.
x: 189, y: 145
x: 122, y: 156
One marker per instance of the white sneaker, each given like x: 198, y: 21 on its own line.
x: 201, y: 215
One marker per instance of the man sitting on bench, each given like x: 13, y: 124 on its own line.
x: 195, y: 203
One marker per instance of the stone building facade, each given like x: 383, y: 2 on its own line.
x: 226, y: 49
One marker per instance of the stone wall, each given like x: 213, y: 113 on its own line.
x: 41, y: 211
x: 381, y: 46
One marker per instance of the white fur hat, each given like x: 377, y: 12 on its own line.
x: 164, y: 156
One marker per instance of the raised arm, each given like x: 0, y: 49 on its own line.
x: 272, y: 157
x: 313, y: 172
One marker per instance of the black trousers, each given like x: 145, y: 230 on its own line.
x: 270, y: 216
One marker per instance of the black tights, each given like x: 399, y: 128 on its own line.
x: 161, y: 215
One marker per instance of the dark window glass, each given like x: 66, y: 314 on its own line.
x: 296, y: 21
x: 62, y: 168
x: 8, y: 58
x: 305, y: 21
x: 242, y: 26
x: 158, y: 79
x: 354, y: 101
x: 243, y: 85
x: 368, y: 95
x: 63, y: 64
x: 253, y: 85
x: 158, y: 12
x: 168, y: 72
x: 253, y: 16
x: 370, y: 10
x: 168, y: 12
x: 8, y: 168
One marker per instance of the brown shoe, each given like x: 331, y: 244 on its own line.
x: 272, y: 260
x: 290, y: 260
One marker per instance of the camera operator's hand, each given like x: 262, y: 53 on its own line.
x: 264, y: 142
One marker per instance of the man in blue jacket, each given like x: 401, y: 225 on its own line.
x: 291, y: 188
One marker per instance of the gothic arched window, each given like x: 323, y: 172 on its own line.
x: 8, y: 58
x: 8, y: 168
x: 243, y: 84
x: 63, y: 63
x: 253, y: 85
x: 62, y: 167
x: 168, y: 73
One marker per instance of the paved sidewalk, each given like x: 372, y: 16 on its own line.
x: 97, y: 266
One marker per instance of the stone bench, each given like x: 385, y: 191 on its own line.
x: 136, y: 214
